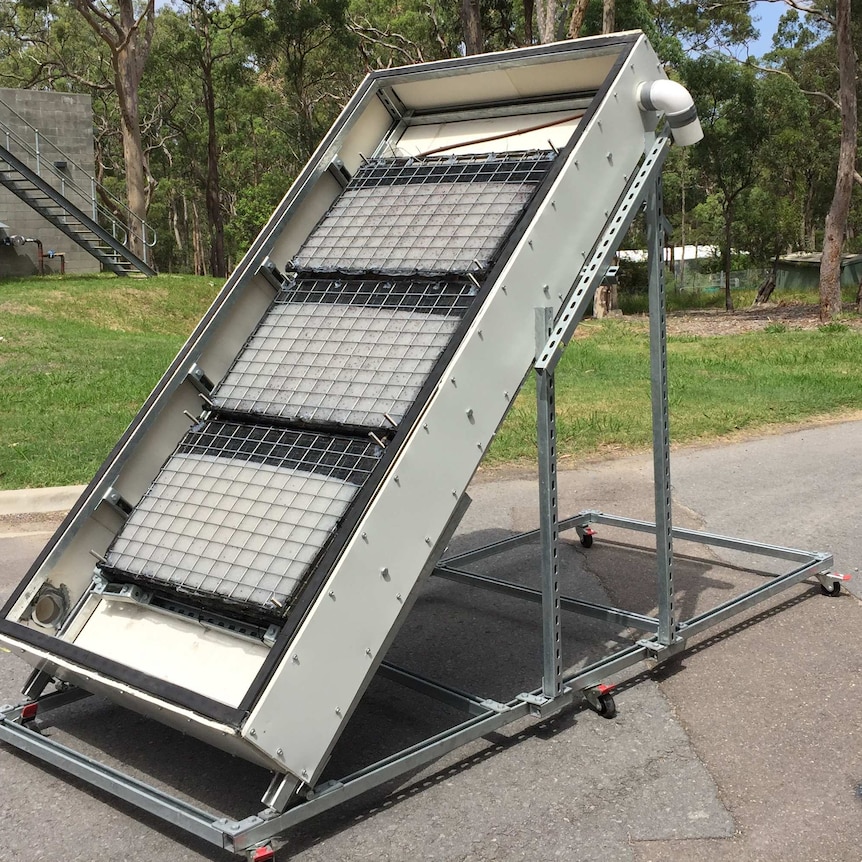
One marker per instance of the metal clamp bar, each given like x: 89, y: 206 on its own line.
x: 124, y: 787
x: 746, y: 600
x: 703, y: 538
x: 445, y: 694
x: 605, y: 613
x: 593, y: 270
x: 258, y: 830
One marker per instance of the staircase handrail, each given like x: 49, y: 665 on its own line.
x: 147, y: 233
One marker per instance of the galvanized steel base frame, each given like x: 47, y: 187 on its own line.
x: 664, y: 634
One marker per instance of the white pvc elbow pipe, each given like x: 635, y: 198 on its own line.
x: 676, y: 103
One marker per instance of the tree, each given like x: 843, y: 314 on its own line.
x: 127, y: 30
x: 836, y: 219
x: 834, y: 19
x: 729, y: 105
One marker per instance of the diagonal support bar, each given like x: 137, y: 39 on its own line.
x: 594, y: 269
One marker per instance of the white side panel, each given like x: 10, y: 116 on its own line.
x: 339, y: 642
x: 204, y: 660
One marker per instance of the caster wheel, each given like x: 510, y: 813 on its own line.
x: 834, y: 590
x: 587, y: 540
x: 607, y: 706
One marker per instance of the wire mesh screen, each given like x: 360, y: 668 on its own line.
x: 432, y: 216
x: 240, y: 512
x: 352, y: 352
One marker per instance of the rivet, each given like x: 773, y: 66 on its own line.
x: 279, y: 751
x: 304, y: 773
x: 365, y: 537
x: 295, y: 659
x: 427, y: 540
x: 332, y: 594
x: 368, y: 652
x: 384, y: 573
x: 338, y: 710
x: 506, y: 396
x: 252, y: 732
x: 469, y: 412
x: 396, y: 480
x: 398, y: 597
x: 453, y: 382
x: 530, y: 243
x: 424, y: 426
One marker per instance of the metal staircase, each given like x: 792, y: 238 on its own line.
x: 45, y: 184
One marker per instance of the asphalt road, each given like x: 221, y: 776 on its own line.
x: 746, y: 747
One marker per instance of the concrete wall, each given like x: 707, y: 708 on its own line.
x: 64, y: 121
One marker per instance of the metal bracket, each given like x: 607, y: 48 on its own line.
x: 117, y: 502
x: 280, y: 791
x: 338, y: 170
x: 544, y: 707
x: 199, y: 380
x: 272, y: 274
x: 658, y: 652
x: 122, y: 593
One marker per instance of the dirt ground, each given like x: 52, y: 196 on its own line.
x: 715, y: 321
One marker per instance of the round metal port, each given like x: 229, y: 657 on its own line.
x: 49, y: 607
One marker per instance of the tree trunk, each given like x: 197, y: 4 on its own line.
x: 577, y: 20
x: 728, y: 229
x: 133, y: 156
x: 471, y: 27
x: 218, y: 265
x: 836, y: 219
x: 608, y: 16
x: 546, y: 16
x: 529, y: 10
x: 128, y: 36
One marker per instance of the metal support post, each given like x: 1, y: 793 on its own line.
x: 546, y: 435
x: 660, y: 426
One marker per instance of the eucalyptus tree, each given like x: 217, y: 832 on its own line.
x: 126, y: 28
x: 730, y: 105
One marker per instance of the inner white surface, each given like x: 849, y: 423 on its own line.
x: 210, y: 662
x: 467, y: 136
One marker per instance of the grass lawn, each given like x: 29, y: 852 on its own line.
x: 718, y: 385
x: 79, y: 355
